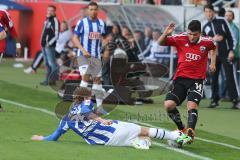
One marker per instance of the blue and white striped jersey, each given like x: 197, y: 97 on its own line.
x: 91, y: 131
x: 90, y: 35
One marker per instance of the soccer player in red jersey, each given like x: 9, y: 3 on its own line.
x: 192, y: 49
x: 7, y: 23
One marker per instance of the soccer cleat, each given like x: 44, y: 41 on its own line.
x: 141, y: 143
x: 191, y: 133
x: 236, y: 105
x: 213, y: 104
x: 44, y: 83
x: 29, y: 70
x: 183, y: 139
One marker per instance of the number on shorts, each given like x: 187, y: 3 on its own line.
x: 199, y: 87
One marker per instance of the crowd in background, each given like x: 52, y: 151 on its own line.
x: 229, y: 3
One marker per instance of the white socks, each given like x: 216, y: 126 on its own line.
x: 98, y: 92
x: 83, y: 84
x: 162, y: 134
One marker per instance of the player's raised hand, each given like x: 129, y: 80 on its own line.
x: 170, y: 28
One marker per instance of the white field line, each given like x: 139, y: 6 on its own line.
x: 198, y: 138
x: 27, y: 107
x: 182, y: 151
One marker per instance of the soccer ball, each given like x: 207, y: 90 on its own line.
x: 174, y: 144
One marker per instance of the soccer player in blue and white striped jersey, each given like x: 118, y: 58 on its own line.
x: 88, y: 39
x: 84, y: 121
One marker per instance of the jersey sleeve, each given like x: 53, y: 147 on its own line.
x: 79, y: 28
x: 62, y: 129
x: 212, y: 45
x: 170, y: 41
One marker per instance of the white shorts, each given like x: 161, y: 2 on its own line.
x: 124, y: 134
x: 90, y: 66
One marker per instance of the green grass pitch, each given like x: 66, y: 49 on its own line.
x: 218, y: 128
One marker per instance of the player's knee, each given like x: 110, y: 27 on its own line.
x: 169, y: 104
x: 86, y: 78
x: 192, y: 105
x: 144, y: 131
x: 97, y: 80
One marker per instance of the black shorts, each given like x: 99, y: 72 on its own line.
x: 186, y: 87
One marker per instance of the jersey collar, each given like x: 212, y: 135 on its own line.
x: 92, y: 20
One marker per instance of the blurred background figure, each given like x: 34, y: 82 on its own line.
x: 229, y: 15
x: 48, y: 42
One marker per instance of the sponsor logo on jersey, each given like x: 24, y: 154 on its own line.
x: 202, y: 49
x: 192, y: 57
x: 94, y: 35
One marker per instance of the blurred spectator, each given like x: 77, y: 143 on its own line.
x: 218, y: 28
x: 229, y: 15
x: 48, y: 42
x: 126, y: 33
x: 156, y: 50
x: 171, y: 2
x: 147, y: 35
x: 139, y: 38
x: 147, y: 42
x: 63, y: 39
x: 106, y: 59
x: 221, y: 12
x: 116, y: 30
x: 132, y: 50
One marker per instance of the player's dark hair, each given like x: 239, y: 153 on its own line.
x: 93, y: 4
x: 230, y: 11
x: 52, y: 6
x: 118, y: 26
x: 194, y: 26
x: 81, y: 92
x: 208, y: 6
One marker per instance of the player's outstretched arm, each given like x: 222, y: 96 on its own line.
x: 213, y: 54
x: 170, y: 28
x: 62, y: 128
